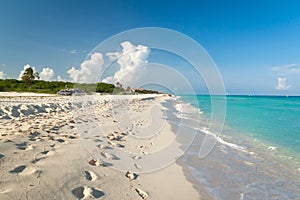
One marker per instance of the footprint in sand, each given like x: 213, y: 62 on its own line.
x: 35, y: 137
x: 45, y: 152
x: 112, y: 143
x: 137, y: 166
x: 61, y: 141
x: 95, y: 162
x: 120, y: 145
x: 73, y: 137
x: 106, y: 155
x: 136, y: 157
x: 1, y: 155
x: 24, y: 146
x: 37, y: 160
x: 18, y: 169
x: 132, y: 176
x: 29, y: 170
x: 48, y: 152
x: 142, y: 193
x: 109, y: 156
x: 84, y: 192
x: 98, y: 140
x: 89, y: 175
x: 42, y: 155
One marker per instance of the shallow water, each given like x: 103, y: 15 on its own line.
x: 270, y: 119
x: 242, y: 166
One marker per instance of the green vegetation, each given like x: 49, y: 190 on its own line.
x: 28, y: 76
x: 139, y: 91
x: 30, y: 84
x: 40, y: 86
x: 37, y: 86
x: 105, y: 88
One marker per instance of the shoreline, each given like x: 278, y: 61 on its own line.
x: 222, y: 172
x: 251, y: 137
x: 231, y: 136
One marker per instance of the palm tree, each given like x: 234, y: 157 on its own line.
x: 36, y: 75
x: 29, y: 75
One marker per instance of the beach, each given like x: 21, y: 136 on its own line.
x: 131, y: 147
x: 85, y: 147
x: 149, y: 100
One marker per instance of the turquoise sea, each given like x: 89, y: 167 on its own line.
x: 267, y: 166
x: 274, y: 120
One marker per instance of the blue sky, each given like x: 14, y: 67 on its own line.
x: 255, y: 44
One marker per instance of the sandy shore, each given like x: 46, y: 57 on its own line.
x: 103, y: 147
x: 24, y: 94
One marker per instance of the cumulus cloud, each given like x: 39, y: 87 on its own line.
x: 47, y: 74
x: 24, y: 68
x: 2, y: 75
x: 59, y: 78
x: 289, y: 68
x: 89, y: 69
x: 281, y: 84
x: 130, y: 59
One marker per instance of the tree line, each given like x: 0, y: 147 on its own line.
x: 30, y: 83
x: 52, y: 87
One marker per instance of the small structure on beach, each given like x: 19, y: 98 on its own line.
x: 69, y: 92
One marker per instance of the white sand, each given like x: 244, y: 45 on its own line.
x: 24, y: 94
x: 45, y: 153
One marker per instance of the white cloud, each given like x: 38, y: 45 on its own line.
x: 24, y: 68
x: 47, y: 74
x: 73, y: 51
x: 129, y: 59
x: 59, y: 78
x: 73, y: 73
x: 281, y: 84
x: 89, y: 69
x: 289, y: 68
x: 2, y: 65
x: 2, y: 75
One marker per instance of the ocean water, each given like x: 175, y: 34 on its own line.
x: 266, y: 130
x: 273, y: 120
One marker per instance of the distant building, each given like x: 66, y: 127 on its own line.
x: 129, y: 91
